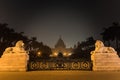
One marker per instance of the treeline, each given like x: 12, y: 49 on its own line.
x: 8, y: 38
x: 82, y: 49
x: 110, y: 37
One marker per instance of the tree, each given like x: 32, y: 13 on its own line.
x: 84, y: 48
x: 36, y: 47
x: 8, y: 37
x: 46, y: 51
x: 112, y: 33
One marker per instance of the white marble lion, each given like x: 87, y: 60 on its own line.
x: 19, y: 48
x: 100, y: 48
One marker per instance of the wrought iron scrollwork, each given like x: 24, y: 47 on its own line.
x: 85, y: 65
x: 75, y: 65
x: 44, y: 65
x: 34, y: 65
x: 68, y: 65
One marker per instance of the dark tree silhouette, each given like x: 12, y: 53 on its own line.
x: 83, y: 49
x: 8, y: 37
x: 35, y: 47
x: 46, y: 52
x: 112, y: 33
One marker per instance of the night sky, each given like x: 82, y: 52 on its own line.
x: 74, y: 20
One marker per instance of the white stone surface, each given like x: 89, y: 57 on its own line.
x: 14, y: 58
x: 104, y: 58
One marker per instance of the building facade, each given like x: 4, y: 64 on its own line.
x: 60, y: 47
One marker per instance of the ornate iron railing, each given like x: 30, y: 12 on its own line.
x: 60, y: 65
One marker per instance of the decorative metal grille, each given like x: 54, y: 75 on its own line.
x: 59, y: 65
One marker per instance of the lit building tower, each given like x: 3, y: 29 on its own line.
x: 60, y: 47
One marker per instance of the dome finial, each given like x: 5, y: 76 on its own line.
x: 60, y: 36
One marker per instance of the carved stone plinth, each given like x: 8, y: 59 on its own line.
x: 14, y: 58
x: 106, y: 62
x: 104, y: 58
x: 14, y: 62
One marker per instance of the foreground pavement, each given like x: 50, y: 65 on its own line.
x: 60, y: 75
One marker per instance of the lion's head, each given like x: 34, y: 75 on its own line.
x: 99, y: 44
x: 19, y: 44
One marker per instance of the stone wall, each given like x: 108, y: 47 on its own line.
x: 14, y: 62
x: 106, y: 62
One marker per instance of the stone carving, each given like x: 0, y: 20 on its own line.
x: 14, y: 58
x: 104, y: 58
x: 99, y: 47
x: 19, y: 48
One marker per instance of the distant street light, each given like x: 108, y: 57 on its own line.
x: 38, y: 53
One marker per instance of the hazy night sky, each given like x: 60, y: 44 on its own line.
x: 75, y: 20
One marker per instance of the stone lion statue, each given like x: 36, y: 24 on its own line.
x: 100, y: 48
x: 19, y: 48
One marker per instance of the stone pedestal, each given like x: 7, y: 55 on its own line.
x: 14, y: 62
x: 14, y: 58
x: 106, y: 62
x: 104, y: 58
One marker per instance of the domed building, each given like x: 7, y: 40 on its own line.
x: 60, y: 47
